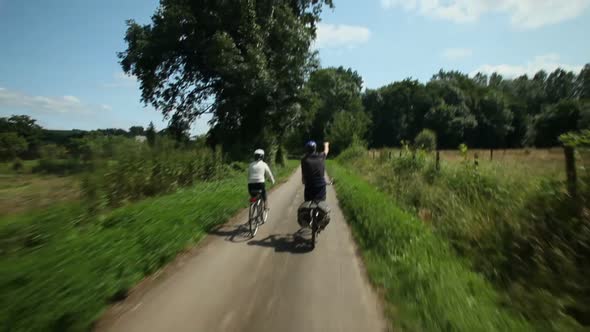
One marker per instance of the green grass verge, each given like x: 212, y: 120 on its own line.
x: 60, y: 268
x: 425, y: 285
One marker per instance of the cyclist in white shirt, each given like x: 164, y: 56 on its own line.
x: 257, y: 172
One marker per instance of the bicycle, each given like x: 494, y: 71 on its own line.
x: 257, y: 213
x: 313, y: 220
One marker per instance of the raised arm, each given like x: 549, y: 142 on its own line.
x: 272, y: 178
x: 326, y: 148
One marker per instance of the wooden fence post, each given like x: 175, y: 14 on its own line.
x: 476, y: 160
x: 570, y: 170
x: 389, y: 155
x: 491, y: 154
x: 437, y: 160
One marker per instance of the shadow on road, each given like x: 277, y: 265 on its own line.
x: 297, y: 243
x: 232, y: 233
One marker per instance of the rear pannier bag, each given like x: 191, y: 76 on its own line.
x: 304, y: 215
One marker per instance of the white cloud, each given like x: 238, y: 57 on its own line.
x: 72, y: 99
x: 457, y: 53
x: 334, y: 36
x: 106, y: 107
x: 548, y: 62
x: 121, y: 80
x: 10, y: 99
x: 523, y: 13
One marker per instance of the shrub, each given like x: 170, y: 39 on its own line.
x: 146, y: 172
x: 59, y: 166
x: 426, y: 140
x: 17, y: 165
x: 355, y: 151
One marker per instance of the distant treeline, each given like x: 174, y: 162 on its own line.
x: 481, y: 111
x: 21, y: 137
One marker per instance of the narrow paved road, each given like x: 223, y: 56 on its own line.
x: 270, y: 283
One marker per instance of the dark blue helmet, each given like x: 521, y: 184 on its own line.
x: 310, y: 146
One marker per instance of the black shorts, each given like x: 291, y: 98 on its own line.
x: 254, y: 188
x: 317, y: 194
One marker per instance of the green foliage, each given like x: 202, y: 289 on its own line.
x: 427, y: 288
x: 143, y: 173
x: 345, y: 128
x: 524, y: 234
x: 18, y: 165
x: 484, y: 112
x: 151, y: 134
x: 553, y: 121
x: 61, y: 266
x: 136, y: 131
x: 59, y: 166
x: 426, y: 140
x: 53, y: 151
x: 397, y: 111
x: 26, y: 128
x: 11, y: 145
x: 355, y: 152
x: 576, y: 139
x: 243, y: 62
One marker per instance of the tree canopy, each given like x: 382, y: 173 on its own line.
x: 243, y: 61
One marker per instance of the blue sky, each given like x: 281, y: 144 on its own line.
x: 58, y: 58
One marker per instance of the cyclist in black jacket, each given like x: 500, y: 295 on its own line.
x: 313, y: 168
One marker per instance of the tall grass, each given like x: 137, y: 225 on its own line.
x: 145, y: 172
x: 426, y: 287
x: 522, y: 232
x: 60, y: 267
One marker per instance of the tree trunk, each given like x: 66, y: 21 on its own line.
x: 437, y: 160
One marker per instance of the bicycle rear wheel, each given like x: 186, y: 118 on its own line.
x: 314, y: 231
x: 264, y: 213
x: 254, y: 218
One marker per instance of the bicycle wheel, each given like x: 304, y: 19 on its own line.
x: 264, y: 213
x: 314, y: 231
x: 253, y: 220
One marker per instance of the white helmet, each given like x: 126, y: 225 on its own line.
x: 259, y: 152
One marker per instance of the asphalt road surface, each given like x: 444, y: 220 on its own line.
x: 273, y: 282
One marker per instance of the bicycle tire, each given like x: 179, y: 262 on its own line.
x: 264, y: 214
x: 253, y: 220
x: 314, y: 230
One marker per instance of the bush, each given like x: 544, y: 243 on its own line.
x: 146, y: 172
x: 426, y: 140
x: 59, y: 166
x: 354, y: 152
x: 18, y: 165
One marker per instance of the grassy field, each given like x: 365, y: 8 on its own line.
x: 20, y: 193
x: 426, y: 287
x: 530, y: 162
x: 61, y: 266
x: 511, y: 220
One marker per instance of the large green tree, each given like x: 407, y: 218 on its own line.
x: 11, y: 145
x: 346, y: 128
x: 331, y: 97
x: 244, y: 61
x: 397, y: 111
x: 26, y: 127
x: 555, y: 120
